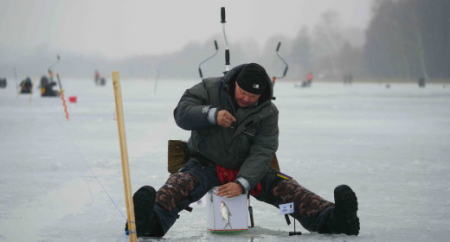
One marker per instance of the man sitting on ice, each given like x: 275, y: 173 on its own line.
x: 234, y: 136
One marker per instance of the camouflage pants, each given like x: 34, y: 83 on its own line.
x: 310, y: 209
x: 190, y: 184
x: 176, y: 189
x: 194, y: 181
x: 305, y: 202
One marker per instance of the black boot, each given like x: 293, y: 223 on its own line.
x: 147, y: 224
x: 343, y: 218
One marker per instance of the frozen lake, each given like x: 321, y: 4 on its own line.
x: 391, y: 145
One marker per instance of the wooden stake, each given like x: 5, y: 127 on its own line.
x: 20, y: 89
x: 124, y: 156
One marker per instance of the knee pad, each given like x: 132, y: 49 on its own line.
x: 176, y: 189
x: 305, y: 201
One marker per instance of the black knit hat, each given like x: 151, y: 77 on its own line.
x: 253, y: 78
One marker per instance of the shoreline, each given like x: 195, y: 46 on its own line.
x: 370, y: 80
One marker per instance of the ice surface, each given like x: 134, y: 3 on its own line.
x: 392, y: 146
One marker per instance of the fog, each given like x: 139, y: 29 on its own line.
x: 141, y: 38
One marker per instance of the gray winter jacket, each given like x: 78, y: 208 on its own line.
x: 251, y: 142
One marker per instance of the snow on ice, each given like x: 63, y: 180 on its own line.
x: 390, y: 145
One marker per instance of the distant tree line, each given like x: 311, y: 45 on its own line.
x: 327, y: 49
x: 409, y: 39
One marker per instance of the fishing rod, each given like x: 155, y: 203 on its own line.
x: 61, y: 90
x: 285, y: 69
x: 57, y: 57
x: 50, y: 71
x: 199, y: 66
x: 227, y: 51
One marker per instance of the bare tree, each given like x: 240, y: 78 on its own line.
x: 328, y: 39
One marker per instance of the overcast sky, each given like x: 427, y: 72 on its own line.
x: 120, y: 28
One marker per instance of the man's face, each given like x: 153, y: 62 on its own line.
x: 243, y: 98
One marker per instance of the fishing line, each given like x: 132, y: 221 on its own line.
x: 97, y: 179
x: 126, y: 235
x: 95, y: 176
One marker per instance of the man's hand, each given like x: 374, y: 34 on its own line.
x: 224, y: 118
x: 231, y: 189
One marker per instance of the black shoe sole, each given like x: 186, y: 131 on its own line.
x: 144, y: 201
x: 346, y: 207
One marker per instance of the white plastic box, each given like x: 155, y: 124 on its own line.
x: 226, y: 214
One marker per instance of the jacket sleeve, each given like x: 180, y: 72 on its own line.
x: 194, y: 110
x: 262, y: 150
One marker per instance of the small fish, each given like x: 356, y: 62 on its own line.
x: 225, y: 214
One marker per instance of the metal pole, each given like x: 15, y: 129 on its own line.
x: 227, y: 51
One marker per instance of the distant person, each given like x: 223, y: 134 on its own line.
x: 102, y: 81
x: 422, y: 82
x: 2, y: 82
x: 50, y: 75
x: 348, y: 78
x: 234, y: 137
x: 47, y: 87
x: 26, y: 85
x: 97, y: 77
x: 309, y: 78
x: 307, y: 82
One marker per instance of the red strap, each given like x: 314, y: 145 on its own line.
x: 228, y: 175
